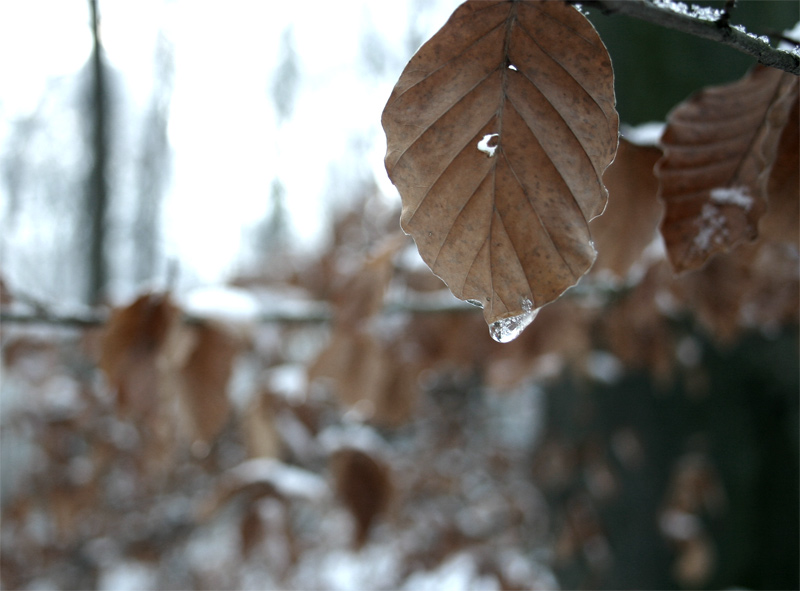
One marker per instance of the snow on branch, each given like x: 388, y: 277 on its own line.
x: 318, y: 312
x: 703, y: 22
x: 305, y: 312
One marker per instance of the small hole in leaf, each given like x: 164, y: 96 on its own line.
x: 512, y: 67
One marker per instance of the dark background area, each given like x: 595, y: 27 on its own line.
x: 656, y: 68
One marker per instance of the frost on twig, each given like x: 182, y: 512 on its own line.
x: 709, y: 23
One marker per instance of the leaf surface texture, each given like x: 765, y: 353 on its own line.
x: 719, y: 148
x: 498, y: 133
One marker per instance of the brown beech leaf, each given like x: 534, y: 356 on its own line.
x: 136, y: 346
x: 781, y: 223
x: 205, y: 377
x: 498, y: 132
x: 145, y: 345
x: 630, y: 222
x: 719, y: 147
x: 361, y: 295
x: 757, y: 286
x: 368, y: 375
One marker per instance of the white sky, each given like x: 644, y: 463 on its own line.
x: 227, y: 145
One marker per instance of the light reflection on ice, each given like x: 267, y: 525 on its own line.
x: 507, y: 329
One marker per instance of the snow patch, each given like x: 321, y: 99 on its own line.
x: 128, y: 576
x: 792, y: 48
x: 604, y: 367
x: 689, y: 351
x: 703, y: 13
x: 222, y: 303
x: 679, y: 525
x: 290, y: 381
x: 458, y: 573
x: 646, y: 134
x: 484, y: 146
x: 732, y: 196
x: 352, y: 435
x: 288, y: 480
x: 711, y: 228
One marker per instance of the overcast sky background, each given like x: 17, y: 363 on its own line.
x: 228, y: 142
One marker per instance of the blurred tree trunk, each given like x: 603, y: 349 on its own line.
x: 97, y: 185
x: 154, y: 166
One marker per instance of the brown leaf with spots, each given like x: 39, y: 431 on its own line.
x: 498, y: 133
x: 719, y: 147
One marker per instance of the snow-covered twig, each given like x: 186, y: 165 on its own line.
x: 310, y: 312
x: 701, y: 22
x: 98, y: 317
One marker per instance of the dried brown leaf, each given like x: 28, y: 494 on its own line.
x: 205, y: 378
x: 361, y: 295
x: 635, y: 329
x: 498, y: 131
x: 261, y: 435
x: 135, y: 343
x: 354, y: 362
x: 719, y: 147
x: 630, y: 222
x: 368, y: 375
x: 755, y: 286
x: 364, y: 485
x: 5, y: 294
x: 781, y: 223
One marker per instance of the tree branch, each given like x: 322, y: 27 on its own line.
x: 306, y: 312
x: 312, y: 313
x: 659, y: 13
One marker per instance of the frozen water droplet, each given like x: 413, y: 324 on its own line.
x: 484, y: 146
x: 475, y: 303
x: 507, y: 329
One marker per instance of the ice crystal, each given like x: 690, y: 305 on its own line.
x: 507, y: 329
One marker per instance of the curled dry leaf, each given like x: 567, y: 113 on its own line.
x: 498, y: 133
x: 719, y: 147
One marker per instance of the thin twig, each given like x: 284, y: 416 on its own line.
x: 720, y: 30
x: 318, y: 313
